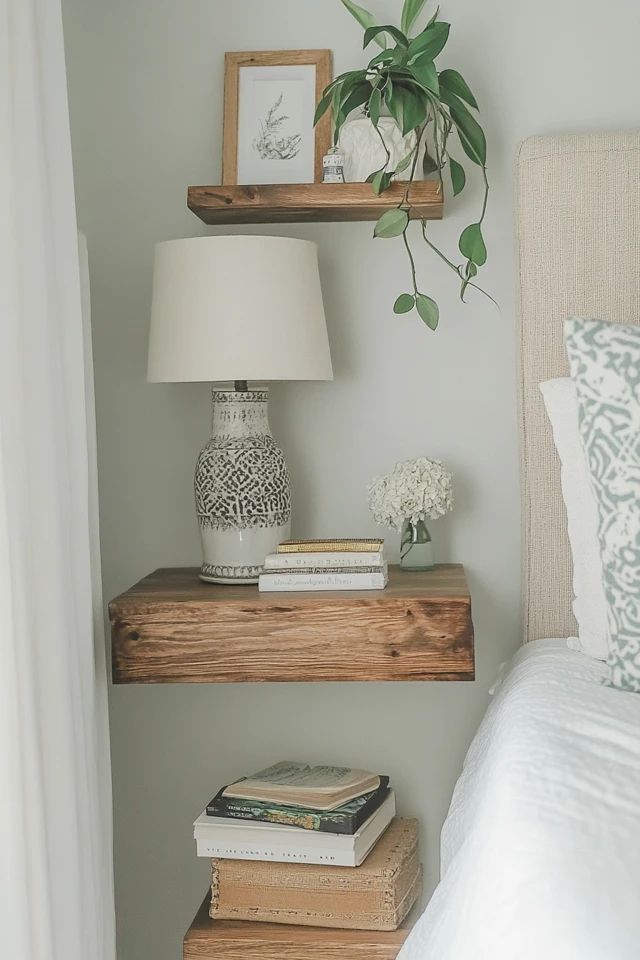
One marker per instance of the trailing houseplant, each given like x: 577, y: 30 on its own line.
x: 403, y: 79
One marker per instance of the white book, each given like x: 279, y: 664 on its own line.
x: 249, y: 840
x: 333, y: 560
x: 286, y: 581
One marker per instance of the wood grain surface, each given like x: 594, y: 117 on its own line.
x: 310, y: 202
x: 208, y: 939
x: 172, y: 628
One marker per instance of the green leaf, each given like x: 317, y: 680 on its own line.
x: 452, y: 81
x: 322, y: 107
x: 458, y: 176
x: 471, y: 133
x: 384, y: 58
x: 472, y: 244
x: 430, y: 42
x: 355, y: 99
x: 380, y: 181
x: 404, y: 163
x: 429, y: 163
x: 404, y: 303
x: 364, y: 18
x: 375, y: 104
x: 391, y: 224
x: 410, y: 13
x: 424, y: 70
x: 428, y: 310
x: 371, y: 33
x: 407, y: 108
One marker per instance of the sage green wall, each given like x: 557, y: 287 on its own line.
x: 146, y: 97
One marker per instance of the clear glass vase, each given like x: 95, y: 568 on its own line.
x: 416, y: 546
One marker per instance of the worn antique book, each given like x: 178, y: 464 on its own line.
x: 346, y: 545
x: 374, y: 896
x: 345, y: 819
x: 321, y: 787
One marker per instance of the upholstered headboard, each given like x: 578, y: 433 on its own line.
x: 578, y: 206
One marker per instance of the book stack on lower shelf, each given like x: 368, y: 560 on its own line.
x: 312, y: 846
x: 325, y: 565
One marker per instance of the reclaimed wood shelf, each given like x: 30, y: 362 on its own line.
x: 172, y: 628
x: 316, y: 202
x: 208, y: 939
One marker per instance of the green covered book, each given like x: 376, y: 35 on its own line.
x: 346, y: 819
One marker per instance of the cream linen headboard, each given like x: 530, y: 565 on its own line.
x: 578, y: 208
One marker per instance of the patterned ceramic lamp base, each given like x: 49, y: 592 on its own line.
x: 242, y: 491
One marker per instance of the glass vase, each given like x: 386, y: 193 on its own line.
x: 416, y: 546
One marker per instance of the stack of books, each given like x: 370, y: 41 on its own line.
x: 318, y: 846
x: 325, y: 565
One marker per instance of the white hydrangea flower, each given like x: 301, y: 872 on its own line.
x: 414, y: 490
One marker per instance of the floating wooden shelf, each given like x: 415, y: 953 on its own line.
x: 208, y: 939
x: 172, y: 628
x: 319, y: 202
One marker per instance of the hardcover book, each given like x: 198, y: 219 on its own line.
x: 323, y: 546
x: 276, y: 581
x: 374, y: 896
x: 330, y: 560
x: 247, y: 840
x: 345, y: 819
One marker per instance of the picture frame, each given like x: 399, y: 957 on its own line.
x: 270, y: 98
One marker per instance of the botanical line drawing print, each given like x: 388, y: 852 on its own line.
x: 269, y: 144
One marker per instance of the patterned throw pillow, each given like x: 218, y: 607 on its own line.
x: 605, y: 367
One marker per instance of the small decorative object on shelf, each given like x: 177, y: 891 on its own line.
x: 368, y: 147
x: 404, y: 499
x: 269, y: 99
x: 229, y: 309
x: 333, y: 166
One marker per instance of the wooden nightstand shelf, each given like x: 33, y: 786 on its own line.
x: 310, y: 202
x: 172, y: 628
x: 208, y: 939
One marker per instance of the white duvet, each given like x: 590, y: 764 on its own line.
x: 541, y: 847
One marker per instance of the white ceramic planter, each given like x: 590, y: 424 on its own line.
x: 363, y: 151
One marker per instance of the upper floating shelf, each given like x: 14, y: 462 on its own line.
x: 310, y: 202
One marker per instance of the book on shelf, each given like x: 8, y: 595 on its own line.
x: 344, y: 545
x: 347, y: 818
x: 320, y: 787
x: 374, y: 896
x: 330, y: 560
x: 242, y: 840
x: 350, y: 578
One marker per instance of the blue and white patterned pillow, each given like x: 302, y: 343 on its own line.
x: 605, y: 367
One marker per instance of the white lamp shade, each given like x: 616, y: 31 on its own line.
x: 237, y: 308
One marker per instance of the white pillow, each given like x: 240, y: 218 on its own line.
x: 589, y: 604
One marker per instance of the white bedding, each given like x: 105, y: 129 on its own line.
x: 541, y: 847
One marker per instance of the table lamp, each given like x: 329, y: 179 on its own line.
x: 233, y: 310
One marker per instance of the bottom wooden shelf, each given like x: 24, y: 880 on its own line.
x: 208, y: 939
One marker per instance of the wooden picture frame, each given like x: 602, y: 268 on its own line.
x: 234, y: 63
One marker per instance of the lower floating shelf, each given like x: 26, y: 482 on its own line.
x: 208, y: 939
x: 172, y: 628
x: 319, y: 202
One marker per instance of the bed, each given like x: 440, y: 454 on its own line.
x: 541, y: 846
